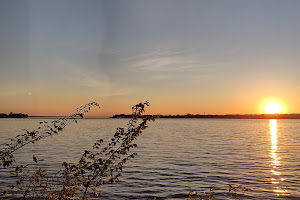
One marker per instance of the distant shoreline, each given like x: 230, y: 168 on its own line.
x: 232, y: 116
x: 188, y: 116
x: 13, y: 115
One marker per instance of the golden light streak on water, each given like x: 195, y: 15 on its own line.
x: 275, y: 162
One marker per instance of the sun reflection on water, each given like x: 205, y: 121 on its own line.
x: 276, y: 179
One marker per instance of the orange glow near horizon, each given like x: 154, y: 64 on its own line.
x: 43, y: 104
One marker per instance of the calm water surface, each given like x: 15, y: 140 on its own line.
x: 263, y: 155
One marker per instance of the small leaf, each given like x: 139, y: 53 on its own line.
x: 34, y: 159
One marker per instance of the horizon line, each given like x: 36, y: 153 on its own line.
x: 53, y: 116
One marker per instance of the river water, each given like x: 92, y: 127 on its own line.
x: 261, y: 155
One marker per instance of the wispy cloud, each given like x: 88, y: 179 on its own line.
x: 80, y: 76
x: 8, y: 94
x: 15, y: 93
x: 94, y: 80
x: 113, y: 94
x: 172, y: 61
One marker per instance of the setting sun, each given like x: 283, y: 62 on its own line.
x: 273, y: 107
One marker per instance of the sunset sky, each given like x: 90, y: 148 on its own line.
x: 213, y: 57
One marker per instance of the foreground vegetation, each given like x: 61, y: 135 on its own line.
x: 96, y: 167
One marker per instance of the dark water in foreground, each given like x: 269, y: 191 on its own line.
x: 263, y: 155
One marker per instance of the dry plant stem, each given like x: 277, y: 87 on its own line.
x: 6, y: 154
x: 91, y: 171
x: 232, y: 191
x: 129, y: 136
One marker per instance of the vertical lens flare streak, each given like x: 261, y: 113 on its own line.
x: 276, y: 179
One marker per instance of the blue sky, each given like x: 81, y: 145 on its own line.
x: 183, y: 56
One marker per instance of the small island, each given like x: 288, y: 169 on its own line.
x: 13, y: 115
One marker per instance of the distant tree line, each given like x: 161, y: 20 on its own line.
x: 229, y: 116
x: 13, y: 115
